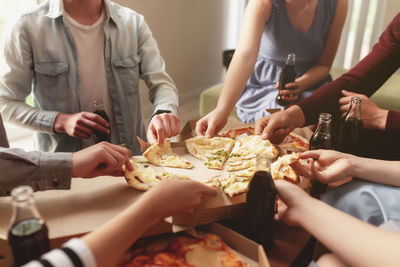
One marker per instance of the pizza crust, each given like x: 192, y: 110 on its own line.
x: 143, y: 177
x: 281, y: 169
x: 164, y: 156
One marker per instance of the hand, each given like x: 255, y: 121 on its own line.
x: 279, y: 124
x: 372, y: 116
x: 211, y: 124
x: 80, y: 124
x: 325, y: 165
x: 163, y: 126
x: 173, y: 196
x: 291, y: 201
x: 292, y: 94
x: 100, y: 159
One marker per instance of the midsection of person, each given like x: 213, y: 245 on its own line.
x: 53, y: 66
x: 280, y: 38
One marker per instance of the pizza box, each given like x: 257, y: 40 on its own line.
x: 249, y: 251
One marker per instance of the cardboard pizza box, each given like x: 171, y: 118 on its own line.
x: 244, y: 246
x: 249, y: 251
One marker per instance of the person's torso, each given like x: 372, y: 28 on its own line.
x: 57, y: 80
x: 280, y: 37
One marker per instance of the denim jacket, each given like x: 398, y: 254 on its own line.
x: 38, y: 55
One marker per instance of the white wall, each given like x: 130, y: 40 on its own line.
x: 191, y: 38
x: 392, y: 8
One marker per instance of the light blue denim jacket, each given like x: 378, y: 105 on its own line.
x: 39, y: 55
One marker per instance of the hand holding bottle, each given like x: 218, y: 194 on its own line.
x: 372, y: 116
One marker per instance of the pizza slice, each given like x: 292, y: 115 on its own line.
x: 144, y: 176
x: 235, y: 132
x: 294, y: 143
x: 213, y: 152
x: 164, y: 156
x: 281, y: 169
x: 245, y: 152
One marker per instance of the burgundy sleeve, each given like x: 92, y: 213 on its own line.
x: 393, y: 122
x: 365, y: 78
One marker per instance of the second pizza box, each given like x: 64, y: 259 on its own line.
x: 250, y: 252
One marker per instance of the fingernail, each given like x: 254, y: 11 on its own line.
x: 264, y: 136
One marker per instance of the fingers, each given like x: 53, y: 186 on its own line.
x: 208, y: 190
x: 163, y: 126
x: 261, y: 124
x: 201, y: 126
x: 313, y: 154
x: 210, y: 130
x: 94, y: 122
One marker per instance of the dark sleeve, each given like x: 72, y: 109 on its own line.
x: 365, y: 78
x: 393, y: 122
x: 40, y: 170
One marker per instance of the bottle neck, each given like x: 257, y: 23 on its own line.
x: 23, y: 205
x: 354, y: 111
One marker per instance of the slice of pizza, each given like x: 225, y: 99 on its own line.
x: 294, y: 143
x: 213, y: 152
x: 144, y: 176
x: 231, y: 183
x: 281, y: 169
x: 164, y: 156
x: 235, y: 132
x: 245, y: 152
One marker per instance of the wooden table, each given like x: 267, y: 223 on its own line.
x: 70, y: 213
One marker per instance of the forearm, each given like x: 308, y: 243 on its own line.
x: 40, y: 170
x: 355, y: 242
x: 108, y: 242
x: 238, y: 73
x: 312, y: 77
x: 18, y: 112
x: 378, y: 171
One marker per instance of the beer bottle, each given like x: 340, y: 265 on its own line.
x: 350, y: 127
x: 288, y: 75
x: 99, y: 110
x: 28, y: 234
x: 321, y: 139
x: 259, y: 211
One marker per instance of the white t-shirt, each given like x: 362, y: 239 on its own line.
x: 89, y: 44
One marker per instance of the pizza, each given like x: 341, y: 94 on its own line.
x: 181, y: 250
x: 281, y: 169
x: 245, y: 152
x: 235, y: 132
x: 294, y: 143
x: 213, y: 152
x: 144, y: 175
x: 237, y: 182
x: 164, y: 156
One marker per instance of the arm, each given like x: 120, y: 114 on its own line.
x: 329, y: 166
x: 365, y: 78
x: 16, y: 75
x: 256, y: 14
x: 354, y: 242
x: 167, y: 198
x: 322, y: 66
x: 45, y: 170
x: 162, y: 90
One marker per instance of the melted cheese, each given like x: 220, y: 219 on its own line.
x: 201, y: 257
